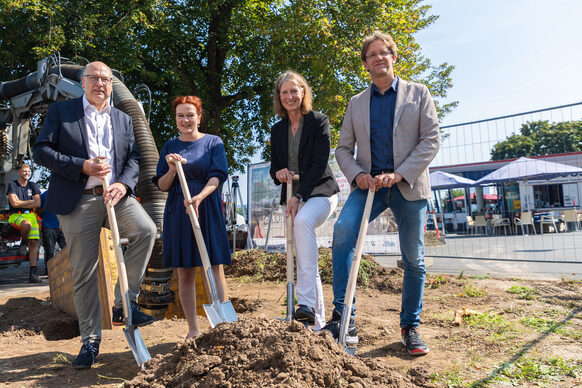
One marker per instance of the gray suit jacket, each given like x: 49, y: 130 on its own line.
x: 416, y: 138
x: 61, y: 147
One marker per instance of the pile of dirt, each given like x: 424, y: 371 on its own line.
x: 431, y: 239
x: 263, y: 352
x: 30, y: 316
x: 258, y: 265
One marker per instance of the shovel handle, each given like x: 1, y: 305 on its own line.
x: 352, y: 280
x: 123, y: 284
x: 290, y: 253
x: 196, y: 228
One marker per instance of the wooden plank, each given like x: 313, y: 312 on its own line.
x: 61, y: 282
x: 107, y: 277
x: 175, y: 308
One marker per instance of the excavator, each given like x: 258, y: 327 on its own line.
x: 22, y: 103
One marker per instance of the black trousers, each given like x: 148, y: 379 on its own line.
x: 50, y: 238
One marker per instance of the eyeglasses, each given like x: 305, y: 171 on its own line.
x: 381, y: 54
x: 93, y: 79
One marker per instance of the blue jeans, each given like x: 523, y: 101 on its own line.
x: 410, y: 217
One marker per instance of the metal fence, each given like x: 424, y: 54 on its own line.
x: 466, y: 151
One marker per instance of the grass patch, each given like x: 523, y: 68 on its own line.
x: 554, y: 313
x: 529, y: 370
x: 498, y: 328
x: 523, y: 292
x: 544, y: 325
x: 487, y: 320
x: 448, y: 378
x: 541, y: 324
x: 435, y: 282
x: 472, y: 291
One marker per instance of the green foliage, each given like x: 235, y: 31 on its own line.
x: 487, y: 320
x: 496, y: 326
x: 61, y: 360
x: 228, y: 52
x: 472, y: 291
x: 542, y: 324
x: 448, y: 378
x: 436, y: 281
x: 523, y: 292
x: 529, y: 370
x: 540, y: 138
x: 368, y: 269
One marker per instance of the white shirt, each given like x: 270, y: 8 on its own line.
x: 100, y: 138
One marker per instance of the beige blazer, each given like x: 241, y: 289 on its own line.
x: 416, y: 138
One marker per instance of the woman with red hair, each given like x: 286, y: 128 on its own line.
x: 205, y: 170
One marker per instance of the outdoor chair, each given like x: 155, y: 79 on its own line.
x: 481, y: 222
x: 470, y: 225
x: 499, y: 222
x: 548, y: 219
x: 572, y: 216
x: 526, y: 219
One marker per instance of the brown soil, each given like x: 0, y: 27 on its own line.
x: 264, y: 352
x: 259, y: 266
x: 38, y: 344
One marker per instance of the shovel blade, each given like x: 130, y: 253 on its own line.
x: 351, y: 350
x: 220, y: 312
x: 137, y: 345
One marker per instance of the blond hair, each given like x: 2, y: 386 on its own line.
x: 297, y: 79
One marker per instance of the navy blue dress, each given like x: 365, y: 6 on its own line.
x: 205, y: 159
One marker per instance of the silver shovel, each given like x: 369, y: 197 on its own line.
x: 134, y: 338
x: 352, y: 280
x: 216, y: 312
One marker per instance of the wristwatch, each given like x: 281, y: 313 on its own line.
x: 299, y: 197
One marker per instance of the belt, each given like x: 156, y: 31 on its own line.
x: 97, y: 190
x: 378, y: 172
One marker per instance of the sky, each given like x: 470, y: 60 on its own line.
x: 510, y: 56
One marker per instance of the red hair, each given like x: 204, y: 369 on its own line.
x: 188, y: 100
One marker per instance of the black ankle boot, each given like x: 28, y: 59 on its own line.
x: 32, y: 276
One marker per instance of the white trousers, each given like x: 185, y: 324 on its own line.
x: 311, y: 215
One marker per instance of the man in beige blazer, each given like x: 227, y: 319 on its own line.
x: 393, y: 125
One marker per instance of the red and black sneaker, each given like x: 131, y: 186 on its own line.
x: 411, y: 340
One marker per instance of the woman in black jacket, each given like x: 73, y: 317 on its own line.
x: 300, y: 144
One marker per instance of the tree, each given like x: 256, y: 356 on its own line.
x: 228, y: 52
x: 540, y: 138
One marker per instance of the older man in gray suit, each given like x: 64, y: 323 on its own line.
x: 394, y: 125
x: 75, y: 133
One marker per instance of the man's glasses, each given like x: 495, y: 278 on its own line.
x: 382, y: 54
x: 93, y: 79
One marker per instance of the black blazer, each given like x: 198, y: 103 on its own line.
x: 61, y: 147
x: 314, y: 146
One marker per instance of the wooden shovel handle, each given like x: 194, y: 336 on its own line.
x: 196, y: 228
x: 122, y: 271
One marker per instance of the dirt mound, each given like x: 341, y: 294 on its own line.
x: 257, y: 265
x: 263, y: 352
x: 29, y: 316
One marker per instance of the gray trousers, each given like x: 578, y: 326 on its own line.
x: 82, y: 229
